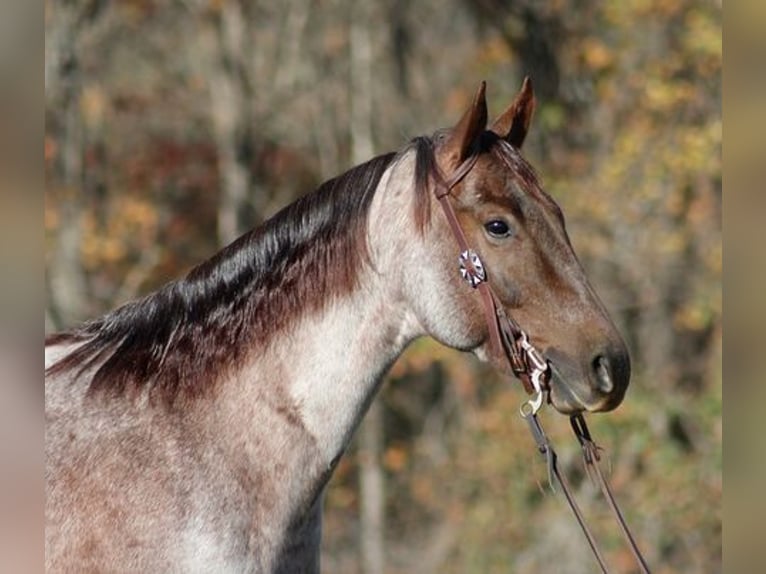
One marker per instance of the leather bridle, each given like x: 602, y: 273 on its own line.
x: 507, y: 339
x: 510, y: 343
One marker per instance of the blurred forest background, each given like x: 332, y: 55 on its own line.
x: 173, y: 126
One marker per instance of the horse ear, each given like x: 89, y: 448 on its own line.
x: 467, y: 130
x: 513, y: 123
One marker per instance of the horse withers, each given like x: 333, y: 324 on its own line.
x: 195, y: 429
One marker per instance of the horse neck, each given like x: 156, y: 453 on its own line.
x: 322, y: 372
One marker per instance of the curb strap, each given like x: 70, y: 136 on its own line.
x: 591, y: 457
x: 546, y: 449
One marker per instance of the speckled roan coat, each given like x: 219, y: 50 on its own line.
x: 195, y: 430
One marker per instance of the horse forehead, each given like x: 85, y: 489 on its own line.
x: 495, y: 181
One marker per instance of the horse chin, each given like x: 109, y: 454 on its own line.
x: 569, y: 399
x: 563, y: 399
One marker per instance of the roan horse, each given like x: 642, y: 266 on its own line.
x: 194, y: 430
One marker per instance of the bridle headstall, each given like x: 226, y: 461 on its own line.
x: 509, y: 342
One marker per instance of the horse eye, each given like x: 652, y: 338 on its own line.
x: 497, y: 228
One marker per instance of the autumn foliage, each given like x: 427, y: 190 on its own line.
x: 163, y: 115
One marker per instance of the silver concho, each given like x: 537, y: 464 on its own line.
x: 471, y: 268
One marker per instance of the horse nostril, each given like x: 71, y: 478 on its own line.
x: 604, y: 381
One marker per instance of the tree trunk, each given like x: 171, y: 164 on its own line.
x: 67, y: 282
x: 372, y: 492
x: 360, y: 55
x: 371, y: 479
x: 230, y: 107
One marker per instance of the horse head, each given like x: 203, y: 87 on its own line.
x: 519, y: 233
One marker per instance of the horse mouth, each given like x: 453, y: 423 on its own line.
x: 568, y: 391
x: 564, y: 400
x: 570, y: 397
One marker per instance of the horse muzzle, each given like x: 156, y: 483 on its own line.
x: 597, y: 384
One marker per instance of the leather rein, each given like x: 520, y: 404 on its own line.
x: 509, y: 342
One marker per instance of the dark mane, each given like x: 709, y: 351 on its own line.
x: 235, y: 301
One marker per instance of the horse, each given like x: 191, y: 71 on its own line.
x: 195, y: 429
